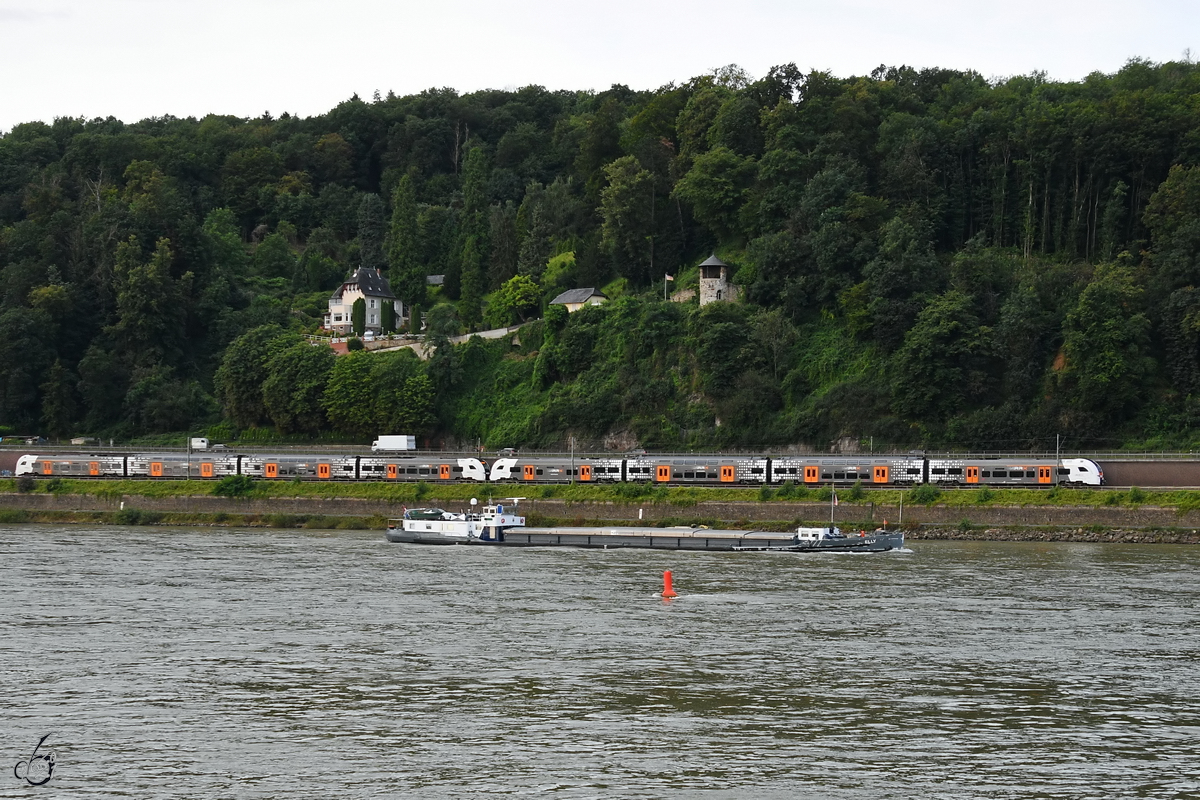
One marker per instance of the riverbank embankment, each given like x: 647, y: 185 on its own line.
x: 995, y: 523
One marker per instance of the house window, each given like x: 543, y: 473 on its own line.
x: 337, y: 317
x: 372, y: 302
x: 718, y: 294
x: 372, y: 319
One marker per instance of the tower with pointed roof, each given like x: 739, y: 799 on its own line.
x: 714, y: 282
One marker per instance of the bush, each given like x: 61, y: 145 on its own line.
x: 925, y: 494
x: 764, y: 492
x: 984, y: 495
x: 134, y: 516
x: 26, y: 483
x: 787, y: 490
x: 234, y: 486
x: 1136, y: 495
x: 354, y: 343
x: 856, y: 492
x: 55, y: 486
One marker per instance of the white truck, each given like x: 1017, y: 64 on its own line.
x: 390, y: 443
x: 199, y: 444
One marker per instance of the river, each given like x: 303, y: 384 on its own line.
x: 226, y: 663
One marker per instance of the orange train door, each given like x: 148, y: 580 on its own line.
x: 662, y: 473
x: 812, y: 474
x: 972, y: 474
x: 270, y: 470
x: 727, y: 474
x: 1044, y: 475
x: 529, y: 472
x: 155, y: 469
x: 47, y: 467
x: 444, y: 472
x: 880, y: 475
x: 93, y: 468
x: 585, y: 472
x: 323, y: 471
x: 392, y: 472
x: 206, y: 469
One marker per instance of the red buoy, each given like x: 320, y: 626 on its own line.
x: 667, y: 591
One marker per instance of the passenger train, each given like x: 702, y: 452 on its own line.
x: 674, y: 470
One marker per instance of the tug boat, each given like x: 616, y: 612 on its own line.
x: 496, y: 525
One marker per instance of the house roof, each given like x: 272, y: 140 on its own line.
x: 370, y: 282
x: 713, y: 261
x: 577, y: 296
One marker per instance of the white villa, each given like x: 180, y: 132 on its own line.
x: 372, y: 287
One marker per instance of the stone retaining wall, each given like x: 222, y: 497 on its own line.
x: 744, y: 514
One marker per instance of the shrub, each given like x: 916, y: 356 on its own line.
x: 856, y: 492
x: 824, y: 494
x: 26, y: 483
x: 1136, y: 495
x: 984, y: 495
x: 234, y: 486
x: 765, y: 492
x: 55, y: 486
x: 925, y: 493
x: 354, y: 343
x: 134, y: 516
x: 788, y: 490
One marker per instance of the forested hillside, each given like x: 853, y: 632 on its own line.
x: 926, y: 258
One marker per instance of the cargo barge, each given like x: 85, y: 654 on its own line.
x: 496, y: 526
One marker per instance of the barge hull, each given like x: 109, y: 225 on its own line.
x: 658, y: 539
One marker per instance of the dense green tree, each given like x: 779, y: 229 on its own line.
x: 403, y: 244
x: 358, y: 316
x: 239, y: 380
x: 942, y: 364
x: 58, y: 400
x: 349, y: 398
x: 1106, y: 347
x: 294, y: 387
x: 716, y: 187
x: 371, y: 233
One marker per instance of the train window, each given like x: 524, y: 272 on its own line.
x: 985, y: 473
x: 954, y: 471
x: 999, y: 473
x: 456, y: 469
x: 347, y: 468
x: 756, y: 471
x: 839, y: 476
x: 912, y: 471
x: 826, y: 476
x: 1081, y: 469
x: 1030, y: 474
x: 539, y: 472
x: 1064, y: 471
x: 423, y: 471
x: 938, y: 471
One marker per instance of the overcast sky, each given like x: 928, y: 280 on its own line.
x: 138, y: 58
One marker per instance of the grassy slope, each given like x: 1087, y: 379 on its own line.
x: 1183, y: 500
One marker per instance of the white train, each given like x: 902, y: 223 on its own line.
x: 713, y: 470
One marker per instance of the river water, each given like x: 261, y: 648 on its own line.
x: 200, y: 663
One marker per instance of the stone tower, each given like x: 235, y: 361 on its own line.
x: 714, y: 282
